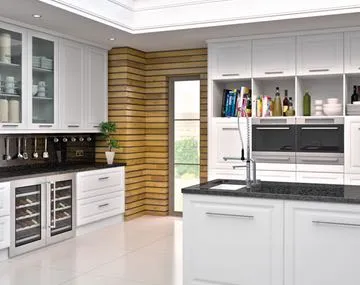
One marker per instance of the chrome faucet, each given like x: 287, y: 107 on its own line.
x: 249, y: 182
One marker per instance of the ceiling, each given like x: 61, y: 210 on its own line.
x: 67, y: 23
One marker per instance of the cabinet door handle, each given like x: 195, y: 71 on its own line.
x: 73, y: 126
x: 10, y: 126
x: 319, y: 128
x: 103, y: 205
x: 97, y: 126
x: 335, y: 224
x: 230, y: 215
x: 229, y: 129
x: 45, y: 126
x: 319, y: 70
x: 273, y: 128
x: 230, y: 74
x: 274, y: 72
x: 104, y: 178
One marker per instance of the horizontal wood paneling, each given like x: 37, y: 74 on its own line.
x: 138, y: 103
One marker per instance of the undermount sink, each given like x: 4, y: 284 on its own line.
x: 228, y: 187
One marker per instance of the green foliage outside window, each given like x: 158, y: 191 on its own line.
x: 187, y: 151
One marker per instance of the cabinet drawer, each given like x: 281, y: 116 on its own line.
x: 97, y: 208
x: 99, y: 179
x: 317, y: 177
x: 4, y: 232
x: 4, y: 199
x: 276, y: 176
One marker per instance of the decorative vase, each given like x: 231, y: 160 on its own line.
x: 110, y: 157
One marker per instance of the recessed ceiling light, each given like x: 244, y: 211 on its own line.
x: 36, y: 16
x: 112, y: 39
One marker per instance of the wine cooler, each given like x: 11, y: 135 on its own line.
x: 42, y: 212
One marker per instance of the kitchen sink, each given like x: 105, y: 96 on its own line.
x: 226, y: 186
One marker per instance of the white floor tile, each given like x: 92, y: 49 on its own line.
x: 101, y: 280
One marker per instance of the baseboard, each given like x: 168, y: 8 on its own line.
x: 4, y: 254
x: 99, y: 225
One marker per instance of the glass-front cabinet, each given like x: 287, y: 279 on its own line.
x: 12, y: 70
x: 43, y: 83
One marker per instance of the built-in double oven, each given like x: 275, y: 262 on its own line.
x: 300, y: 140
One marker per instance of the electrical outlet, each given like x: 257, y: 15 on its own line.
x: 79, y: 153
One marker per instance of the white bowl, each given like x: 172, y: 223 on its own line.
x: 34, y: 90
x: 319, y: 113
x: 318, y: 102
x: 333, y: 100
x: 332, y: 112
x: 318, y: 108
x: 333, y: 106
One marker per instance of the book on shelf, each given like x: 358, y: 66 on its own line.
x: 235, y: 102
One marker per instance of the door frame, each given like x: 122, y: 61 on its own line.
x: 171, y: 81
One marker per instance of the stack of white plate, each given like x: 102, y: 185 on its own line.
x: 318, y: 104
x: 36, y: 61
x: 333, y: 107
x: 46, y: 63
x: 353, y: 109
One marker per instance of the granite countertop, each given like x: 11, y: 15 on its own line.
x: 22, y: 172
x: 282, y: 190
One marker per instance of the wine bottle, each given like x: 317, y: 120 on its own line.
x: 285, y: 103
x: 355, y: 95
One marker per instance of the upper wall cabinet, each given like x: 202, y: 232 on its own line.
x: 320, y: 54
x: 230, y: 60
x: 43, y: 81
x: 96, y: 103
x: 13, y: 74
x: 72, y: 84
x: 352, y: 55
x: 274, y: 57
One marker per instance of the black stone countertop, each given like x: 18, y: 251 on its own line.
x: 282, y: 190
x: 22, y: 172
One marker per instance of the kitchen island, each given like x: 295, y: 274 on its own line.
x: 271, y: 234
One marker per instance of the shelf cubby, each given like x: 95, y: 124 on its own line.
x: 218, y: 90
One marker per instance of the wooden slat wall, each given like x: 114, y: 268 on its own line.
x: 138, y: 103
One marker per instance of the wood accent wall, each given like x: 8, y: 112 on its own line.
x: 138, y: 103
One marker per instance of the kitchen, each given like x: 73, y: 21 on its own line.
x: 70, y: 216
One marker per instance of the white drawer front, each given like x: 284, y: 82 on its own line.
x: 323, y: 178
x: 88, y: 193
x: 89, y: 181
x: 4, y: 199
x: 4, y: 232
x: 276, y: 176
x: 97, y: 208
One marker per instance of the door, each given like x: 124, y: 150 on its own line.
x: 61, y: 205
x: 233, y: 241
x: 97, y: 82
x: 72, y: 85
x: 274, y: 57
x: 352, y: 56
x: 352, y: 143
x: 321, y: 243
x: 28, y: 215
x: 43, y: 74
x: 230, y: 60
x: 320, y: 54
x: 184, y: 146
x: 13, y: 112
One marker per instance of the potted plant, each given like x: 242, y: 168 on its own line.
x: 107, y: 129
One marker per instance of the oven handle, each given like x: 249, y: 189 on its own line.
x: 319, y: 128
x: 319, y: 159
x: 272, y: 158
x: 273, y: 128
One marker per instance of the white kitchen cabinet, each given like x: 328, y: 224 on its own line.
x: 276, y: 176
x: 4, y: 232
x: 72, y: 84
x: 226, y: 142
x: 97, y: 82
x: 101, y: 194
x: 321, y: 243
x: 320, y: 54
x: 231, y: 240
x: 230, y: 60
x: 352, y: 179
x: 320, y: 177
x: 4, y: 199
x: 352, y: 55
x: 352, y: 143
x: 274, y: 57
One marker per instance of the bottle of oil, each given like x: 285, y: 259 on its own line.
x: 307, y: 104
x: 277, y: 110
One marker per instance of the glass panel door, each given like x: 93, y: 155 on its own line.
x: 43, y: 85
x: 61, y: 207
x: 185, y: 138
x: 28, y: 214
x: 10, y: 77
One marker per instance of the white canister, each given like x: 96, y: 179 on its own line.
x: 4, y: 110
x: 5, y: 48
x: 14, y: 111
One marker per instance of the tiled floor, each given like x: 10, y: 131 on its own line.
x: 145, y: 251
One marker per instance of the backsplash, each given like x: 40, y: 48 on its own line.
x: 61, y: 148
